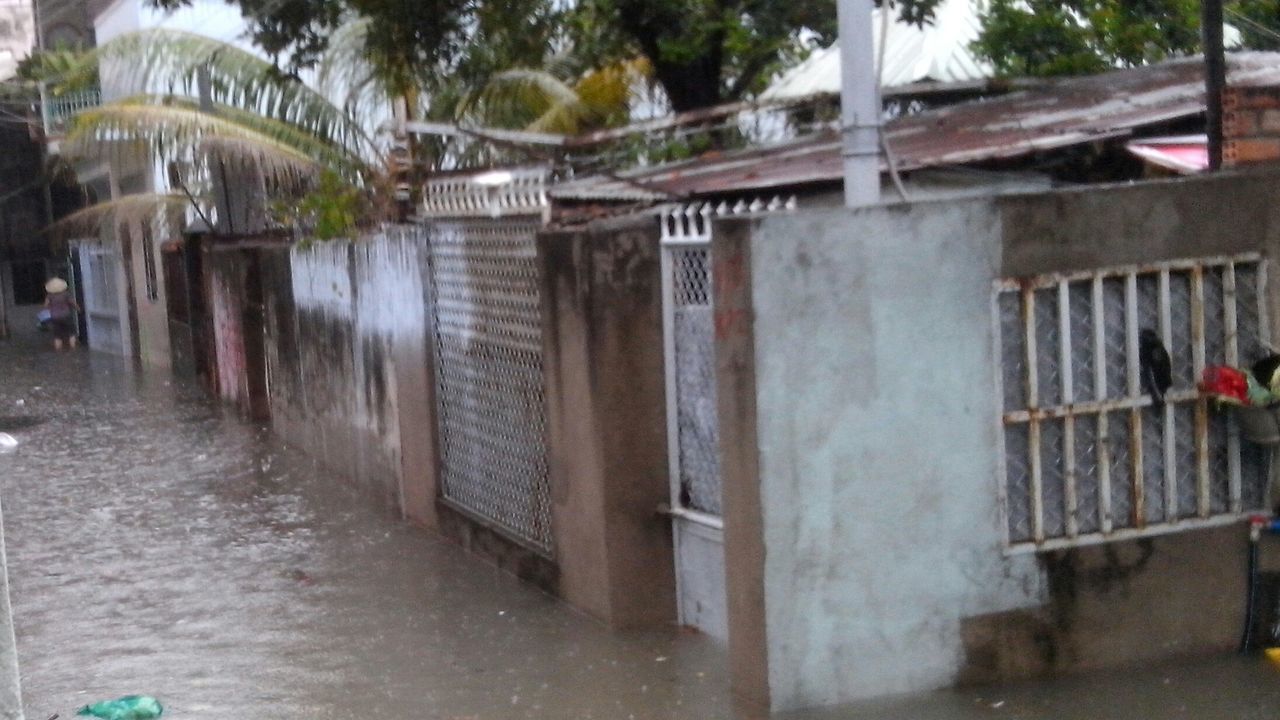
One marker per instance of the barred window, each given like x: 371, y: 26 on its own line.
x: 1086, y: 457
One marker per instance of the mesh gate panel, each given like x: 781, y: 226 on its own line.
x: 697, y: 425
x: 488, y: 343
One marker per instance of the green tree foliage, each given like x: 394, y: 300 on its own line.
x: 1258, y: 22
x: 1048, y: 38
x: 405, y: 36
x: 331, y: 209
x: 64, y: 70
x: 706, y: 52
x: 703, y: 52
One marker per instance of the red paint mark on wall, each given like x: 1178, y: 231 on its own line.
x: 229, y: 338
x: 730, y: 279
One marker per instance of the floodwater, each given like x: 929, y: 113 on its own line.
x: 160, y: 545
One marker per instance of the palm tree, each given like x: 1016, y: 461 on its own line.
x: 553, y: 100
x: 206, y: 106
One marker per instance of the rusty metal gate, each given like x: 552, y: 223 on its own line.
x: 692, y: 425
x: 1087, y: 457
x: 487, y: 328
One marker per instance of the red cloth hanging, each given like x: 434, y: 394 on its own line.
x: 1225, y: 382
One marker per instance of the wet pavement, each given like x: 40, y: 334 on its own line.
x: 160, y: 545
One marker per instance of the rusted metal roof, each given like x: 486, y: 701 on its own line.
x: 1058, y: 114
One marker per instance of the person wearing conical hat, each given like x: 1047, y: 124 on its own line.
x: 62, y: 308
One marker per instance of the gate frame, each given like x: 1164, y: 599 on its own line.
x: 501, y: 193
x: 684, y: 227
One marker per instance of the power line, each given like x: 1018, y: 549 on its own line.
x: 1256, y: 25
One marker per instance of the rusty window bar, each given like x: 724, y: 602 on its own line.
x: 1115, y: 416
x: 1048, y: 280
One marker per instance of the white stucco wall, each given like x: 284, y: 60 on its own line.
x: 17, y: 35
x: 877, y: 437
x: 361, y: 314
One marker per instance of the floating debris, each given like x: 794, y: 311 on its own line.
x: 129, y: 707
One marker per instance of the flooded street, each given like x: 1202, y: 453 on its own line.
x: 160, y: 545
x: 157, y: 545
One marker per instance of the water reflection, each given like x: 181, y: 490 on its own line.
x: 158, y: 545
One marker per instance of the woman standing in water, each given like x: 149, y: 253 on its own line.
x: 61, y: 307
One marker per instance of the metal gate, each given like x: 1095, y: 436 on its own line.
x: 487, y: 317
x: 100, y: 270
x: 692, y: 424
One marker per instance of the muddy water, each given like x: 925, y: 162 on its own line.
x: 158, y: 545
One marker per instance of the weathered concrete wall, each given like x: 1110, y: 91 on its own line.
x: 858, y: 426
x: 607, y: 421
x: 149, y: 298
x: 350, y: 364
x: 226, y: 290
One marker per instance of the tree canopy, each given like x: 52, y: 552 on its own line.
x: 1072, y: 37
x: 702, y: 52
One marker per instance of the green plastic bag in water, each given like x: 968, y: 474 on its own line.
x: 130, y: 707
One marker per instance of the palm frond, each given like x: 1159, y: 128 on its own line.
x: 127, y: 210
x: 339, y: 159
x: 540, y: 101
x: 516, y: 98
x: 123, y: 130
x: 345, y: 74
x: 166, y: 61
x: 63, y: 71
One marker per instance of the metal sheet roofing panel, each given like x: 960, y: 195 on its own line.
x: 1058, y: 114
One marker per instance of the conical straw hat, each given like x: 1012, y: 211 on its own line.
x: 56, y: 285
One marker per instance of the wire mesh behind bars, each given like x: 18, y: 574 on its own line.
x: 1086, y: 455
x: 693, y: 428
x: 694, y: 330
x: 488, y: 336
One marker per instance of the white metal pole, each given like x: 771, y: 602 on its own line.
x: 859, y: 103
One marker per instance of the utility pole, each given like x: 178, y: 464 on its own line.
x: 1215, y: 77
x: 859, y: 103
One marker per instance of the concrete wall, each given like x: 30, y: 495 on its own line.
x: 149, y: 301
x: 226, y: 271
x: 858, y: 427
x: 349, y: 363
x: 607, y: 421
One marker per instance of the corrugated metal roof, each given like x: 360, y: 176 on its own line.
x: 1058, y: 114
x: 938, y: 52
